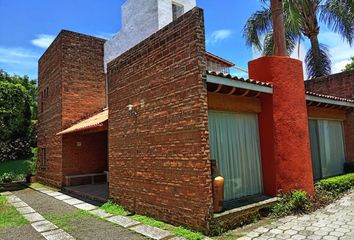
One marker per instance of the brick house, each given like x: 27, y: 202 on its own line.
x: 150, y: 108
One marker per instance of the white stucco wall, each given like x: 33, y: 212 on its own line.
x: 165, y: 10
x: 140, y: 19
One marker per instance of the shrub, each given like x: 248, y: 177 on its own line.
x: 7, y: 177
x: 338, y: 184
x: 14, y: 150
x: 295, y: 202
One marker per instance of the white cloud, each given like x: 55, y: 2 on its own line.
x: 16, y: 55
x: 340, y: 51
x: 219, y: 35
x: 43, y: 40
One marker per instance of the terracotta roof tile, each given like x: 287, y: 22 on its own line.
x: 94, y: 121
x: 329, y: 97
x: 217, y: 58
x: 229, y: 76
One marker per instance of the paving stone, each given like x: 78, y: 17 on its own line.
x: 291, y: 232
x: 43, y: 226
x: 298, y: 237
x: 337, y: 234
x: 46, y: 191
x: 25, y: 210
x: 62, y: 197
x: 13, y: 199
x: 85, y: 206
x: 151, y: 232
x: 33, y: 217
x: 182, y: 238
x: 20, y: 204
x: 6, y: 193
x: 261, y: 230
x: 276, y: 231
x: 101, y: 213
x: 123, y: 221
x: 57, y: 235
x: 330, y: 238
x: 72, y: 201
x: 53, y: 194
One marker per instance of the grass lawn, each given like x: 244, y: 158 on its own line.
x: 178, y: 231
x: 9, y: 217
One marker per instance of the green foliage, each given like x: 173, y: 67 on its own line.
x: 7, y: 178
x: 29, y: 85
x: 9, y: 216
x: 349, y: 66
x: 18, y: 106
x: 113, y: 208
x: 338, y: 184
x: 295, y: 202
x: 301, y: 20
x: 326, y: 191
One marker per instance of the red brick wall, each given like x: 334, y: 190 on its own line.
x: 340, y: 85
x: 89, y: 156
x: 83, y: 77
x: 49, y: 120
x: 72, y: 70
x: 159, y: 160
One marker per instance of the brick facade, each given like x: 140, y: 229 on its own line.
x: 159, y: 160
x: 340, y: 85
x: 73, y: 64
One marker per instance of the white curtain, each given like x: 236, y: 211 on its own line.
x: 234, y: 143
x: 327, y: 147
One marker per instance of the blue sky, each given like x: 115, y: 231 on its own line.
x: 28, y: 27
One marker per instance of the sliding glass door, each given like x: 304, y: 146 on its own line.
x: 234, y: 143
x: 327, y: 147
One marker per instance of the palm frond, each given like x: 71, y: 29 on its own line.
x: 320, y: 65
x: 338, y: 16
x: 257, y: 25
x: 268, y: 45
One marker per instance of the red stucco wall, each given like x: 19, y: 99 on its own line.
x: 288, y: 164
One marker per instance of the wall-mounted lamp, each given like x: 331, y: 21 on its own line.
x: 132, y: 111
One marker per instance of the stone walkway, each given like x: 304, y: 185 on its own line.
x: 336, y: 221
x: 83, y: 227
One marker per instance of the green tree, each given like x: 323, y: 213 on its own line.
x: 301, y: 19
x: 349, y: 66
x: 29, y: 85
x: 16, y: 131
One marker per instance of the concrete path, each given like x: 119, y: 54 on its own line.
x: 334, y: 222
x: 83, y: 227
x: 47, y: 229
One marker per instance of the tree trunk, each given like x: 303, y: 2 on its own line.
x: 278, y: 28
x: 316, y: 54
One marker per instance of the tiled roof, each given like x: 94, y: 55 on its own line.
x: 229, y: 76
x: 329, y: 97
x: 217, y: 58
x: 92, y: 122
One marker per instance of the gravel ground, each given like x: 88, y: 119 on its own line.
x: 24, y: 232
x: 83, y: 228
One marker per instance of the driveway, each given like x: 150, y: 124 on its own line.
x: 336, y: 221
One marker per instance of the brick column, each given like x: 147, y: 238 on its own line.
x: 287, y: 164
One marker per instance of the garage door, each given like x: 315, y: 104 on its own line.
x: 234, y: 143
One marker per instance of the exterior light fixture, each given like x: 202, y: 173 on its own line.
x: 132, y: 111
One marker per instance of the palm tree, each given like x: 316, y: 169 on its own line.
x: 301, y: 20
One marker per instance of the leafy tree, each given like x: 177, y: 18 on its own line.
x: 301, y: 19
x: 349, y: 66
x: 29, y: 85
x: 16, y: 129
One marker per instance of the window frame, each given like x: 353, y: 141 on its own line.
x: 177, y: 10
